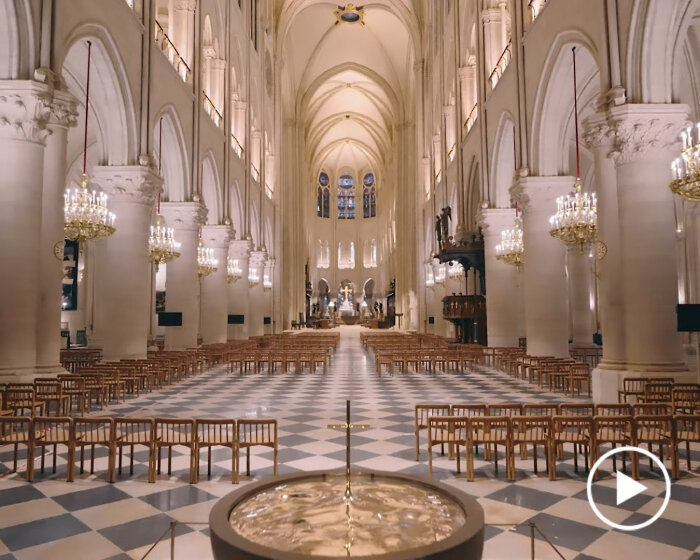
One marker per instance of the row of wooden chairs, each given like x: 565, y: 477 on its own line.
x: 153, y: 433
x: 74, y: 358
x: 287, y: 359
x: 656, y: 389
x: 550, y: 424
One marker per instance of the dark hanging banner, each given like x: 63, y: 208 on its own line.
x: 70, y: 276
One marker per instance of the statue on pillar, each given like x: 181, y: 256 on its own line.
x: 438, y: 232
x: 445, y: 218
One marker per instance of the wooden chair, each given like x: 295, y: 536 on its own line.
x: 51, y: 391
x: 575, y: 430
x: 489, y: 431
x: 537, y: 409
x: 420, y: 420
x: 615, y: 430
x: 652, y: 429
x: 252, y: 432
x: 443, y: 430
x: 468, y: 410
x: 319, y: 357
x: 686, y: 428
x: 535, y: 430
x: 55, y: 430
x: 685, y: 399
x: 176, y: 432
x: 21, y: 398
x: 613, y: 409
x: 92, y: 431
x: 16, y: 430
x: 631, y: 387
x: 567, y: 409
x: 651, y: 409
x: 216, y: 432
x: 73, y: 386
x: 658, y: 392
x: 578, y: 374
x: 504, y: 409
x: 136, y: 431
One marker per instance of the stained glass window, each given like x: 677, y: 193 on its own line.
x: 346, y: 197
x: 323, y: 197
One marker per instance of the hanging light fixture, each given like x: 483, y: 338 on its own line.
x: 233, y: 271
x: 511, y: 249
x: 162, y: 247
x: 206, y: 263
x: 575, y: 222
x: 686, y: 168
x: 86, y: 215
x: 253, y: 278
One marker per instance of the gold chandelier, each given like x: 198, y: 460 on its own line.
x: 233, y: 271
x: 686, y: 168
x: 85, y: 212
x: 253, y: 278
x: 576, y: 220
x: 162, y: 247
x: 206, y: 263
x: 511, y: 249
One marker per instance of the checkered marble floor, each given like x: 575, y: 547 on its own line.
x: 91, y: 519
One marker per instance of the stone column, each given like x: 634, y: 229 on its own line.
x: 600, y: 138
x: 48, y: 323
x: 214, y: 293
x: 216, y: 82
x: 239, y: 129
x: 123, y: 280
x: 546, y: 309
x: 183, y: 29
x: 448, y: 113
x: 578, y: 267
x: 647, y: 140
x: 502, y: 294
x: 255, y: 149
x: 493, y: 46
x: 467, y: 77
x: 24, y: 111
x: 256, y: 294
x: 267, y: 292
x: 238, y: 291
x: 181, y: 285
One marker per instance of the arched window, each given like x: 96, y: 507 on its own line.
x: 323, y: 197
x: 369, y: 197
x: 346, y: 197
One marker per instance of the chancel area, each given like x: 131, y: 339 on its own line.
x: 394, y: 279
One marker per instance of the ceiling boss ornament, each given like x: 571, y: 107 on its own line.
x: 686, y: 168
x: 350, y: 14
x: 576, y: 219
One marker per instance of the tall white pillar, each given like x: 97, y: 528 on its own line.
x: 578, y: 266
x: 600, y: 138
x: 123, y: 279
x: 448, y: 113
x: 502, y: 294
x: 214, y: 292
x: 647, y: 141
x: 255, y: 149
x: 23, y: 117
x: 48, y: 323
x: 183, y: 29
x: 467, y: 76
x: 267, y: 293
x: 493, y: 45
x: 546, y: 309
x: 239, y: 128
x: 238, y: 290
x: 216, y: 83
x: 256, y: 294
x: 181, y: 283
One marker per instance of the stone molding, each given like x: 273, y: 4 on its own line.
x: 257, y: 259
x: 597, y: 132
x: 240, y: 249
x: 129, y: 183
x: 494, y: 220
x: 187, y: 5
x: 25, y: 109
x: 63, y: 109
x: 217, y: 237
x: 534, y: 193
x: 184, y: 215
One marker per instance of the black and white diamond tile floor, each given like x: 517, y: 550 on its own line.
x: 91, y: 519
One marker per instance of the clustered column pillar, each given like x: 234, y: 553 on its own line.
x: 63, y: 115
x: 214, y: 293
x: 238, y: 290
x: 256, y: 293
x: 123, y: 288
x: 502, y: 293
x: 546, y: 303
x: 578, y: 266
x: 181, y: 286
x: 23, y: 117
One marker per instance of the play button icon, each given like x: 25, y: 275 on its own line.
x: 627, y: 488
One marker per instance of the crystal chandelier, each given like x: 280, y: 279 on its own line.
x: 86, y: 215
x: 511, y: 249
x: 267, y: 282
x: 233, y: 271
x: 455, y: 270
x: 253, y: 278
x: 429, y: 275
x: 686, y: 168
x: 162, y: 247
x: 440, y: 274
x: 575, y: 222
x: 206, y: 263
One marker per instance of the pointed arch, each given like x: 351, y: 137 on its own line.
x: 502, y: 162
x: 17, y: 40
x: 212, y: 194
x: 175, y: 163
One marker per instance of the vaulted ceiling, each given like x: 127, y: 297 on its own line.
x: 349, y: 81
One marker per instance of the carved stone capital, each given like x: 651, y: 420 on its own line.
x: 597, y: 132
x: 63, y: 109
x: 257, y: 259
x: 493, y: 221
x: 24, y: 110
x: 184, y: 5
x: 216, y: 236
x: 538, y: 194
x: 184, y: 215
x: 646, y: 130
x: 240, y: 249
x: 128, y: 183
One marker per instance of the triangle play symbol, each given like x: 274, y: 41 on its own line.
x: 627, y: 488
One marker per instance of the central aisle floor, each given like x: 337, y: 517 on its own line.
x: 91, y: 519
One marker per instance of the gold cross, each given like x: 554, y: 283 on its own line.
x: 346, y: 290
x: 347, y: 426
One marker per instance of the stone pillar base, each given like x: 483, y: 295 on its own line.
x: 608, y: 378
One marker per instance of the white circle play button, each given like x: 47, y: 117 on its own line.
x: 627, y: 488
